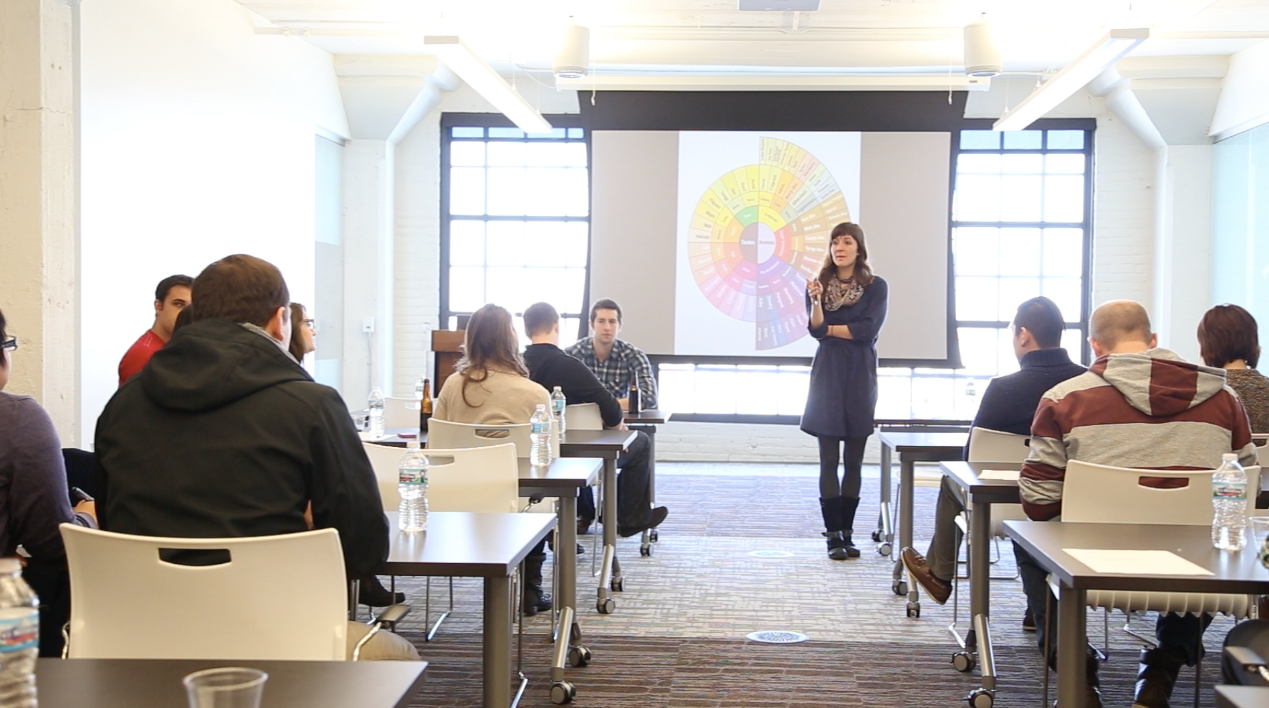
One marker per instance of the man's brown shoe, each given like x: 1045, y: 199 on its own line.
x: 938, y: 590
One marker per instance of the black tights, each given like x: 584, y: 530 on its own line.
x: 830, y: 456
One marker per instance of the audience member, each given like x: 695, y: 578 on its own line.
x: 551, y: 367
x: 34, y: 500
x: 170, y: 297
x: 224, y: 435
x: 1228, y: 339
x: 491, y: 385
x: 617, y: 364
x: 1008, y: 405
x: 303, y: 336
x: 1137, y: 406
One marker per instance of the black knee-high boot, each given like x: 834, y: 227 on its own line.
x: 535, y: 599
x: 831, y: 510
x: 849, y: 506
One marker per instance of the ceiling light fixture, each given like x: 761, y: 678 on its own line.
x: 774, y: 82
x: 1073, y: 77
x: 487, y: 82
x: 982, y: 55
x: 573, y: 61
x: 779, y: 5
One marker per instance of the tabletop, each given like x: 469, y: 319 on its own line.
x: 128, y: 683
x: 564, y: 473
x: 918, y: 442
x: 989, y: 491
x: 1242, y: 697
x: 650, y: 416
x: 607, y: 443
x: 1239, y: 572
x: 465, y: 544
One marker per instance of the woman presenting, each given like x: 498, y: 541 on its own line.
x: 847, y: 306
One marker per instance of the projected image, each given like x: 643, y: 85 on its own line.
x: 760, y: 231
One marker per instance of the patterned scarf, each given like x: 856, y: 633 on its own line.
x: 842, y: 292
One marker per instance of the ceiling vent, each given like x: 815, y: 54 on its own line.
x: 780, y: 5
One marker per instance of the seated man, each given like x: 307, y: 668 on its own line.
x: 171, y: 297
x: 1137, y: 406
x: 1008, y: 405
x: 551, y: 367
x: 223, y: 434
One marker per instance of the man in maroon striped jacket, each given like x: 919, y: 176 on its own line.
x: 1136, y: 406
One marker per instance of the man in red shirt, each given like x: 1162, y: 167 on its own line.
x: 170, y: 297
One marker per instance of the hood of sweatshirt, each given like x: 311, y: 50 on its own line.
x: 212, y: 363
x: 1159, y: 383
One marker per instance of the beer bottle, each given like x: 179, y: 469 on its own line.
x: 425, y: 406
x: 633, y: 397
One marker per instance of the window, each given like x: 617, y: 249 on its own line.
x: 515, y: 215
x: 1020, y: 228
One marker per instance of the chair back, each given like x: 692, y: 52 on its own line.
x: 448, y: 435
x: 987, y: 445
x: 583, y: 416
x: 1115, y: 495
x: 400, y: 413
x: 476, y: 479
x: 128, y: 603
x: 1262, y: 455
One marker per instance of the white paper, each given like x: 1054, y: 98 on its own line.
x: 1132, y: 562
x: 368, y: 437
x: 1000, y: 475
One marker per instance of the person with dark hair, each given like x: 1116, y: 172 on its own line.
x: 490, y: 384
x: 170, y: 297
x: 551, y: 367
x: 618, y: 364
x: 34, y: 500
x: 1228, y: 339
x: 303, y: 336
x: 1008, y: 405
x: 847, y: 308
x: 223, y: 434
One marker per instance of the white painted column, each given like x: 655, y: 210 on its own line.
x: 39, y: 203
x: 368, y: 268
x: 1182, y: 267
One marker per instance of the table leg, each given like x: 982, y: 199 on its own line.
x: 884, y: 534
x: 907, y: 473
x: 980, y: 590
x: 566, y: 556
x: 1070, y: 651
x: 497, y: 642
x: 650, y: 535
x: 610, y: 571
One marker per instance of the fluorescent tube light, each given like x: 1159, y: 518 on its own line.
x: 1073, y: 77
x: 487, y: 82
x: 776, y: 82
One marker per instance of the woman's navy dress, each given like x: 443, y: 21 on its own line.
x: 843, y: 391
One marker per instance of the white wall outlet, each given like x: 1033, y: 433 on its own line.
x: 368, y: 325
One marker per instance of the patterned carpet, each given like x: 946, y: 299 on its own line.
x: 677, y: 638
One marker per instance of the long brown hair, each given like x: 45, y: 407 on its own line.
x: 1228, y: 333
x: 863, y: 271
x: 491, y: 346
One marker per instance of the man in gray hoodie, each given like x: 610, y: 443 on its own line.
x: 1137, y: 406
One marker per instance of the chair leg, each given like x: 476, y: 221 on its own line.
x: 1048, y: 607
x: 1198, y: 665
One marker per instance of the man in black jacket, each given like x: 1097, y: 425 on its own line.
x: 551, y: 367
x: 223, y: 434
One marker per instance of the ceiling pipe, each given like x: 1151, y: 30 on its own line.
x: 1124, y: 104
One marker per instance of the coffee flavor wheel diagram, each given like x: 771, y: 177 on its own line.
x: 759, y: 233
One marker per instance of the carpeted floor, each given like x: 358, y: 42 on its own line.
x: 678, y: 636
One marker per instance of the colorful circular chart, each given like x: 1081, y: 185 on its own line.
x: 759, y: 233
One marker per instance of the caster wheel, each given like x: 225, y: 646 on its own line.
x: 645, y: 550
x: 652, y: 536
x: 606, y: 606
x: 562, y: 692
x: 980, y: 698
x: 963, y: 662
x: 914, y: 610
x: 900, y: 587
x: 876, y: 536
x: 617, y: 585
x: 884, y: 549
x: 578, y: 656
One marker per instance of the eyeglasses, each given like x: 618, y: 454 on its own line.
x: 11, y: 344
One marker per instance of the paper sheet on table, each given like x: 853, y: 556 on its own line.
x: 1000, y: 475
x: 1128, y: 562
x: 368, y: 437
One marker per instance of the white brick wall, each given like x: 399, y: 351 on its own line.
x: 418, y: 243
x: 1123, y: 214
x: 725, y: 442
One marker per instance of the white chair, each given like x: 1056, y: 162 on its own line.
x: 1262, y: 455
x: 206, y: 612
x: 583, y: 416
x: 448, y: 435
x: 478, y: 479
x: 400, y: 413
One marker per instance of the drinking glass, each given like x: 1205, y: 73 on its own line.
x: 229, y: 687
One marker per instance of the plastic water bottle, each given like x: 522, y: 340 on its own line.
x: 418, y: 389
x: 19, y: 637
x: 412, y: 486
x: 540, y: 437
x: 558, y: 403
x: 375, y: 404
x: 1229, y: 502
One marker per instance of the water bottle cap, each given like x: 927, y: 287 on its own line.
x: 1229, y: 457
x: 10, y: 565
x: 412, y: 445
x: 541, y: 406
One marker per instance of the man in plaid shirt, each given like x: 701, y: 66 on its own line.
x: 618, y: 364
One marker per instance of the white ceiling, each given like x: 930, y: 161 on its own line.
x: 708, y: 36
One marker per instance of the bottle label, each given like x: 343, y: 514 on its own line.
x: 19, y: 629
x: 558, y: 405
x: 1233, y: 491
x: 541, y: 427
x: 411, y: 475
